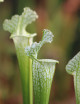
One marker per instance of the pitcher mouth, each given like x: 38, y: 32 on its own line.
x: 48, y: 60
x: 27, y: 36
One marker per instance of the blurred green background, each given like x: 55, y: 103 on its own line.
x: 62, y: 17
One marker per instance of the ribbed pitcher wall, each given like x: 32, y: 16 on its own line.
x: 43, y: 72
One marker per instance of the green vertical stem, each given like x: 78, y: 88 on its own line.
x: 43, y: 72
x: 25, y: 64
x: 30, y: 84
x: 30, y: 76
x: 77, y: 86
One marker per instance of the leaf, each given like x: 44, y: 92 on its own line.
x: 33, y: 50
x: 47, y: 36
x: 73, y: 64
x: 28, y: 16
x: 43, y: 72
x: 17, y: 24
x: 11, y: 25
x: 21, y: 38
x: 73, y: 68
x: 43, y: 69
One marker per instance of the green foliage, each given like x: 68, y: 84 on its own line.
x: 73, y: 68
x: 35, y: 47
x: 73, y: 65
x: 43, y: 69
x: 17, y: 27
x: 43, y: 72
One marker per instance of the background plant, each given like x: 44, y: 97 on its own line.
x: 62, y: 17
x: 73, y: 68
x: 16, y: 26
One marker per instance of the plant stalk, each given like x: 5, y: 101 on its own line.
x: 43, y: 72
x: 25, y: 64
x: 77, y: 86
